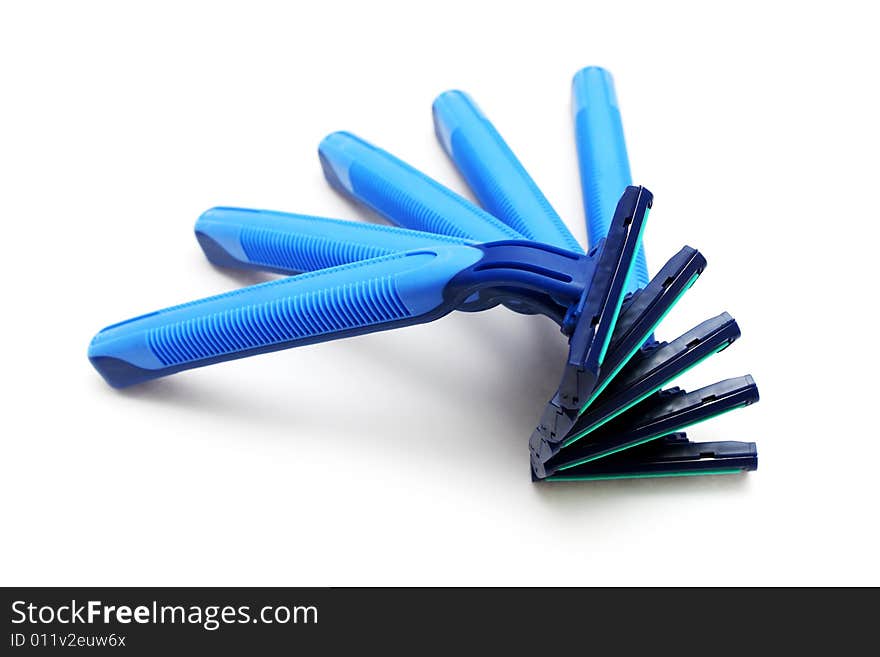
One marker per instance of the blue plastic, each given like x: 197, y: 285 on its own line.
x: 604, y: 165
x: 332, y: 303
x: 493, y: 172
x: 293, y: 243
x: 402, y: 194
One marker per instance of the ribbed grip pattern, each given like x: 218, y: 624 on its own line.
x: 291, y: 243
x: 280, y: 320
x: 404, y: 195
x: 283, y: 250
x: 489, y: 188
x: 352, y: 299
x: 397, y: 202
x: 493, y: 172
x: 494, y: 192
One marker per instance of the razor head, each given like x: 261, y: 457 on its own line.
x: 665, y: 412
x: 670, y: 456
x: 642, y: 312
x: 652, y: 368
x: 593, y: 320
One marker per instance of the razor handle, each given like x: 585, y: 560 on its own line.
x: 292, y: 243
x: 602, y: 156
x: 402, y: 194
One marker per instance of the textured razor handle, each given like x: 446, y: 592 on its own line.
x: 604, y: 164
x: 292, y: 243
x: 402, y: 194
x: 363, y: 297
x: 493, y: 172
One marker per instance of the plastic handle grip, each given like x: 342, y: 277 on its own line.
x: 292, y: 243
x: 402, y: 194
x: 493, y: 172
x: 363, y: 297
x: 604, y: 165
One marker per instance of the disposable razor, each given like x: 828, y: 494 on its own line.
x: 390, y: 291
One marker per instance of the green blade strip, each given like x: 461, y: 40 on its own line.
x: 641, y: 442
x: 639, y: 343
x: 650, y: 392
x: 649, y: 475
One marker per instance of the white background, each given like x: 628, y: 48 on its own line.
x: 400, y: 458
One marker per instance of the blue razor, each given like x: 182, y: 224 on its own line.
x: 444, y: 254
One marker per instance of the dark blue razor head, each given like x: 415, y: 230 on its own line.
x: 663, y: 413
x: 591, y: 322
x: 667, y: 458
